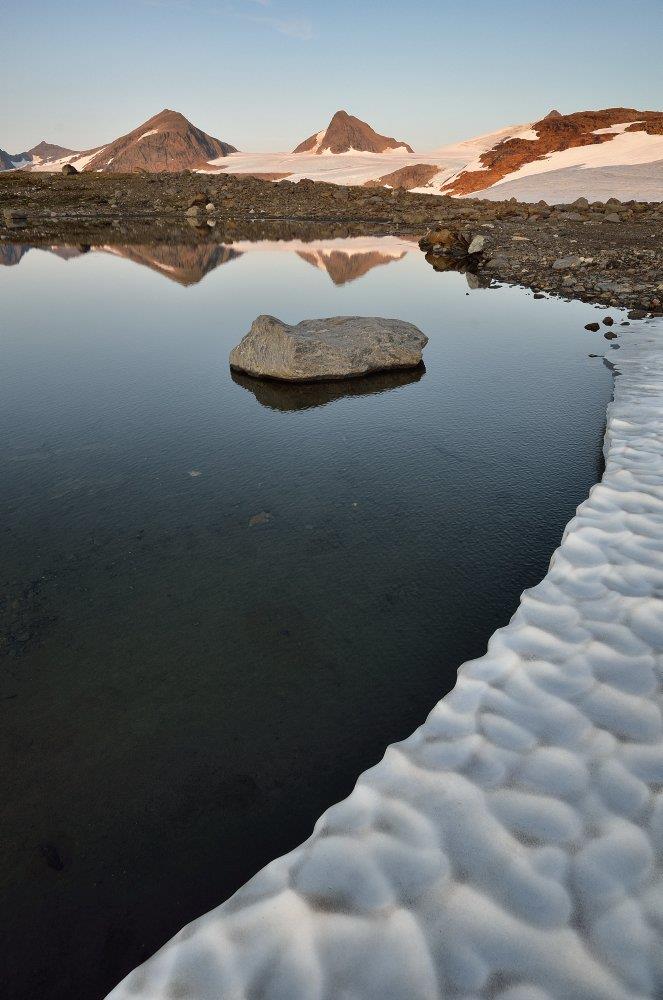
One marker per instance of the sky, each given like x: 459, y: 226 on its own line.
x: 265, y: 74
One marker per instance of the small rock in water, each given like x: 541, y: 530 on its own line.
x: 609, y: 335
x: 608, y: 321
x: 592, y: 327
x: 262, y: 518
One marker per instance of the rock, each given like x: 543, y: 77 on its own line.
x: 564, y: 263
x: 193, y: 212
x: 592, y: 327
x: 440, y: 239
x: 477, y: 244
x: 581, y: 203
x: 14, y: 216
x: 199, y: 200
x: 326, y: 349
x: 264, y: 517
x: 609, y: 335
x: 608, y: 321
x: 210, y: 207
x: 69, y: 169
x: 612, y: 217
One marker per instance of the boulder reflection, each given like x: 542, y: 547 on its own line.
x: 289, y: 396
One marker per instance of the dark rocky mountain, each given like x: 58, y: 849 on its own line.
x: 42, y: 151
x: 49, y: 151
x: 344, y: 133
x: 166, y: 142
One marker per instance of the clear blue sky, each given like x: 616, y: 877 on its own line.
x: 264, y: 74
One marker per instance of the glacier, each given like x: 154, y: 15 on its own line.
x: 511, y: 847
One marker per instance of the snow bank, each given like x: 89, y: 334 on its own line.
x: 639, y: 181
x: 511, y: 847
x: 626, y: 148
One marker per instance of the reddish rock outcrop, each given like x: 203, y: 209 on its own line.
x: 556, y: 132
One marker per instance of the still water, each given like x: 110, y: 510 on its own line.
x: 221, y: 599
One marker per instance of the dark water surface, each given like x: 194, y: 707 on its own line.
x: 219, y: 601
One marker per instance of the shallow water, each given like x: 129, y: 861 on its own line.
x: 223, y: 599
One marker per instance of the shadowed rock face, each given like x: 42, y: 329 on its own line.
x: 555, y: 133
x: 166, y: 142
x: 346, y: 132
x: 327, y: 349
x: 289, y: 396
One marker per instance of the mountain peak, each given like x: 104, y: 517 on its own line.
x: 167, y: 141
x: 553, y: 114
x: 346, y: 133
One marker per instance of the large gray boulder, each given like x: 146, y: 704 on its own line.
x: 327, y: 349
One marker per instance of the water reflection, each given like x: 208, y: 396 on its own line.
x: 343, y: 259
x: 286, y: 397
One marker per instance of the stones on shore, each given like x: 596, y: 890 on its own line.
x: 14, y: 217
x: 338, y: 347
x: 454, y: 243
x: 567, y: 263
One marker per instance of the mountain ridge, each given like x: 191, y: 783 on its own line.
x: 346, y: 133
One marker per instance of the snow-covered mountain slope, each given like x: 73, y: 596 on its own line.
x: 623, y: 148
x: 616, y: 152
x: 637, y: 182
x: 586, y: 139
x: 512, y: 847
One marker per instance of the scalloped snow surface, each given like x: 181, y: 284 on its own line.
x: 512, y: 846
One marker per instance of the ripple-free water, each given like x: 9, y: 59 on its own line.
x: 221, y: 599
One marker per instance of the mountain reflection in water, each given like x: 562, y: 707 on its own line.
x: 344, y: 260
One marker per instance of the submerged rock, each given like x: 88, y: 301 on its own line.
x: 327, y: 349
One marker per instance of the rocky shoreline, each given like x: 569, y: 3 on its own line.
x: 610, y: 254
